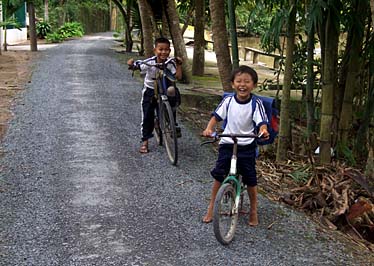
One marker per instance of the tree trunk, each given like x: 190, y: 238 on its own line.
x: 199, y: 41
x: 32, y: 27
x: 190, y: 15
x: 5, y: 40
x: 364, y: 143
x: 46, y: 13
x: 310, y: 84
x: 1, y: 20
x: 354, y: 63
x: 165, y: 32
x: 221, y: 42
x: 178, y: 41
x: 284, y: 130
x: 329, y: 80
x: 126, y: 19
x: 147, y: 33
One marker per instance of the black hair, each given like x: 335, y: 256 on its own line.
x: 245, y: 69
x: 162, y: 40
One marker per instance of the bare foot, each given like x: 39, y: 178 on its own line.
x: 208, y: 217
x: 253, y: 219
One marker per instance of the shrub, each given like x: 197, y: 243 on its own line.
x: 71, y: 29
x: 42, y: 29
x: 54, y: 37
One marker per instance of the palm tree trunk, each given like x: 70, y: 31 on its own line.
x: 354, y: 63
x: 284, y: 131
x: 199, y: 41
x: 126, y: 19
x: 221, y: 42
x: 147, y: 31
x: 178, y: 41
x: 329, y: 80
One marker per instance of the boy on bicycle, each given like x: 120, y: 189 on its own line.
x: 162, y: 52
x: 237, y: 111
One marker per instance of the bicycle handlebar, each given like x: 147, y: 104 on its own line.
x: 216, y: 137
x: 137, y: 63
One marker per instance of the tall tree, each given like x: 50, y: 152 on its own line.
x: 221, y: 42
x: 199, y: 41
x: 332, y: 30
x: 147, y: 31
x: 1, y: 20
x: 356, y: 34
x: 46, y: 13
x: 285, y: 128
x: 32, y: 26
x: 313, y: 14
x: 126, y: 19
x: 178, y: 41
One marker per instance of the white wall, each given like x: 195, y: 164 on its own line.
x: 15, y: 36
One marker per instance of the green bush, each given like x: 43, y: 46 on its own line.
x: 71, y: 29
x: 42, y: 29
x: 54, y: 37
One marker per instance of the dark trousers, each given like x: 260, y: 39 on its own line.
x: 149, y: 105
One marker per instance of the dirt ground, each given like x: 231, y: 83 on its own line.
x: 15, y: 72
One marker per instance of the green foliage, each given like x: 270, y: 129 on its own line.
x: 255, y: 19
x: 344, y: 152
x: 54, y: 37
x: 71, y: 29
x: 68, y: 30
x: 300, y: 175
x: 270, y: 41
x: 42, y: 29
x: 10, y: 22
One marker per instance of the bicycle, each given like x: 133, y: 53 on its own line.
x: 165, y: 123
x: 229, y: 198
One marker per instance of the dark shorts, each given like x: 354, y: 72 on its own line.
x: 246, y: 163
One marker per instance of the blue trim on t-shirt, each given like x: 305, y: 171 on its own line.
x: 217, y: 116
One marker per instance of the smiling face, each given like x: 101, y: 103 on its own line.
x: 162, y: 51
x: 243, y: 85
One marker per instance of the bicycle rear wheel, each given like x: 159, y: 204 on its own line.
x: 225, y: 218
x: 169, y: 132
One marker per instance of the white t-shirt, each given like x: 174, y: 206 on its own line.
x: 150, y: 72
x: 240, y: 119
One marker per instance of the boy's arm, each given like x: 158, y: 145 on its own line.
x: 209, y: 130
x: 178, y: 72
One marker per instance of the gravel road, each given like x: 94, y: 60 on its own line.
x: 77, y: 192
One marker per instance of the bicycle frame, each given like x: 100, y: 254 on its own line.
x: 233, y: 177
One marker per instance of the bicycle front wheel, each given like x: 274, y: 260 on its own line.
x: 157, y: 129
x: 225, y: 217
x: 169, y: 132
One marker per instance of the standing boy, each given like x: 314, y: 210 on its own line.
x: 162, y: 52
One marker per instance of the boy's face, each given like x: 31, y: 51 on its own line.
x: 162, y: 51
x: 243, y: 85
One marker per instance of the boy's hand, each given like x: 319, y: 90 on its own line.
x: 130, y: 63
x: 264, y: 132
x: 178, y: 60
x: 208, y: 132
